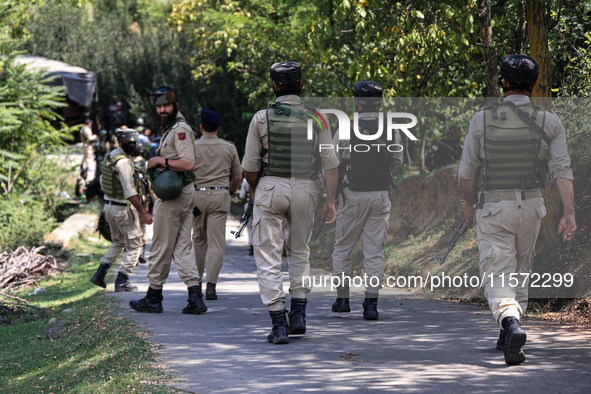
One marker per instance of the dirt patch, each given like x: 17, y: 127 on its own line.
x: 421, y: 202
x: 574, y: 257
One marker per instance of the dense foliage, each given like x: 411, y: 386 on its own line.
x: 130, y: 47
x: 218, y: 52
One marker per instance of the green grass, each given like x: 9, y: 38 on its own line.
x: 97, y: 351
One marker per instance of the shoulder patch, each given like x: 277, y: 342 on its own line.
x: 182, y: 136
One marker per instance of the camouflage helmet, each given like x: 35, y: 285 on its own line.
x: 127, y: 135
x: 163, y: 95
x: 519, y: 69
x: 166, y: 184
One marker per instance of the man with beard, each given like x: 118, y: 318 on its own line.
x: 123, y: 209
x: 172, y: 216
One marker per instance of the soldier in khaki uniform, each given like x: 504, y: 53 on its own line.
x: 173, y: 218
x: 87, y: 138
x: 123, y: 209
x: 507, y: 141
x: 218, y: 159
x: 364, y: 203
x: 285, y: 192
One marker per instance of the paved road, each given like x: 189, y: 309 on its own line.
x: 416, y: 346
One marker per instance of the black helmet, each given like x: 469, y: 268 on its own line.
x: 163, y: 95
x: 166, y: 184
x: 519, y: 69
x: 369, y: 94
x: 286, y: 73
x: 368, y: 89
x: 129, y: 135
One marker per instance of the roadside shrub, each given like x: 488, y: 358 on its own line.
x: 24, y: 221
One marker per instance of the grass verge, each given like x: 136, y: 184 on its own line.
x: 96, y: 351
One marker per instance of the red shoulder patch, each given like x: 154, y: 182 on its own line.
x: 182, y: 136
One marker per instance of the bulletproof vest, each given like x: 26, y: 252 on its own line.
x: 368, y: 171
x: 291, y: 153
x: 109, y: 182
x: 511, y: 149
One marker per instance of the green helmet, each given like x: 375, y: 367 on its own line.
x: 166, y: 184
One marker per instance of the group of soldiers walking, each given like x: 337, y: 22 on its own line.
x: 284, y: 169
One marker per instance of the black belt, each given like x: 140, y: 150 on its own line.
x: 212, y: 188
x: 119, y: 204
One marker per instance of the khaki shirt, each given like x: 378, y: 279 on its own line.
x: 178, y: 142
x: 217, y: 159
x: 557, y: 153
x: 342, y: 152
x: 258, y: 139
x: 125, y: 170
x: 86, y: 135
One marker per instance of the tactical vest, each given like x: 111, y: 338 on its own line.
x: 291, y: 153
x: 511, y: 149
x: 369, y: 171
x: 110, y: 183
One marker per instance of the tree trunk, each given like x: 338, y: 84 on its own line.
x: 537, y: 27
x: 519, y: 32
x: 490, y: 52
x: 408, y: 160
x: 422, y: 166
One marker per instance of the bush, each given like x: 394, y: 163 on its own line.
x: 24, y: 221
x: 30, y: 212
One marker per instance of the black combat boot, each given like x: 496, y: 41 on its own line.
x: 210, y: 293
x: 342, y: 302
x: 151, y: 303
x: 297, y: 316
x: 515, y: 338
x: 341, y: 305
x: 501, y: 340
x: 99, y: 276
x: 195, y: 304
x: 370, y: 309
x: 278, y: 335
x: 142, y: 259
x: 122, y: 283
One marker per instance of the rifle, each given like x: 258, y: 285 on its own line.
x: 245, y: 218
x: 459, y: 230
x: 318, y: 230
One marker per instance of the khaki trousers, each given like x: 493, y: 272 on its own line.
x: 172, y: 240
x: 126, y: 234
x: 282, y: 203
x: 507, y: 233
x: 209, y: 231
x: 362, y: 215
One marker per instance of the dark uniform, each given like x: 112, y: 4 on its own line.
x: 508, y: 150
x: 285, y: 196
